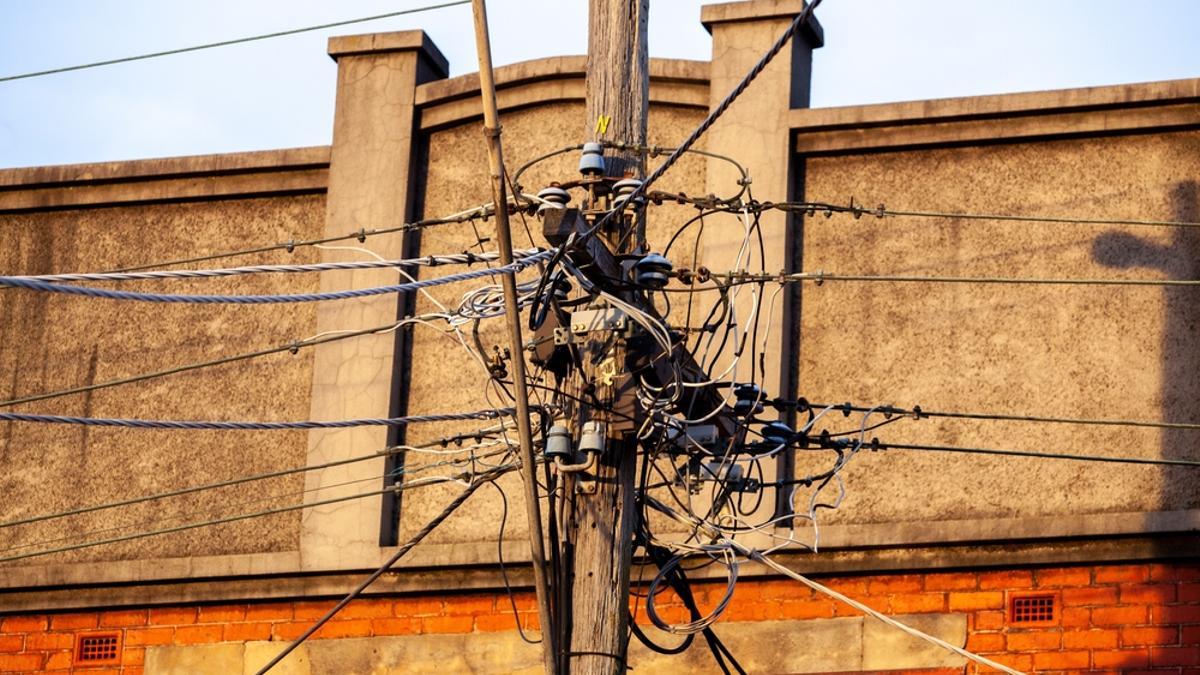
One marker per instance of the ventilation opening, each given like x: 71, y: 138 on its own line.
x: 98, y: 648
x: 1031, y: 609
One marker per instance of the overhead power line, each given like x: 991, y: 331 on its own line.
x: 464, y: 258
x: 87, y: 291
x: 252, y: 426
x: 919, y: 412
x: 819, y: 277
x: 243, y: 516
x: 858, y: 211
x: 1039, y: 455
x: 292, y: 347
x: 248, y: 479
x: 227, y: 43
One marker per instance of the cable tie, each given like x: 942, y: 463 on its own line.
x: 294, y: 347
x: 875, y: 444
x: 703, y: 274
x: 290, y: 245
x: 916, y: 412
x: 362, y: 235
x: 846, y: 408
x: 819, y: 277
x: 492, y: 132
x: 879, y: 212
x: 433, y: 261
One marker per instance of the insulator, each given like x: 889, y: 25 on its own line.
x: 652, y: 271
x: 555, y: 198
x: 592, y: 438
x: 623, y: 188
x: 777, y: 433
x: 592, y: 161
x: 558, y: 443
x: 749, y: 399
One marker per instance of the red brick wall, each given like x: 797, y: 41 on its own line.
x: 1114, y: 618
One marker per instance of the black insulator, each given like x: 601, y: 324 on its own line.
x: 652, y: 271
x: 777, y: 433
x: 749, y: 399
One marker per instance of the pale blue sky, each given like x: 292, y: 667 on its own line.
x: 279, y: 93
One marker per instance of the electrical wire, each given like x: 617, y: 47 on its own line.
x: 465, y: 258
x: 400, y: 553
x: 811, y: 208
x: 226, y: 43
x: 820, y: 277
x: 873, y: 613
x: 244, y: 479
x: 251, y: 426
x: 917, y: 412
x: 226, y: 519
x: 87, y: 291
x: 406, y: 471
x: 1041, y: 455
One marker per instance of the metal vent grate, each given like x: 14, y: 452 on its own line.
x: 98, y: 647
x: 1032, y: 608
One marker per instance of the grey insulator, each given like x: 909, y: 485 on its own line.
x: 592, y: 161
x: 623, y: 188
x: 555, y: 198
x: 558, y: 443
x: 592, y: 439
x: 652, y: 271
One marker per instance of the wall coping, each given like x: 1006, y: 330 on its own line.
x: 552, y: 68
x: 761, y: 10
x: 382, y: 43
x: 164, y: 167
x: 1142, y: 94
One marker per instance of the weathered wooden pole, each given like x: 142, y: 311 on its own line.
x: 601, y: 523
x: 512, y: 316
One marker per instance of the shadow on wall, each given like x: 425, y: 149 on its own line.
x: 1180, y: 394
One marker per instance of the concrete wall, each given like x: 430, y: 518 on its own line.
x: 59, y: 342
x: 1076, y: 351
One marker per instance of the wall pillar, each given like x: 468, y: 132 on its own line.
x: 371, y: 178
x: 755, y: 132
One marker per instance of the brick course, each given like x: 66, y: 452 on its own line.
x: 1112, y: 618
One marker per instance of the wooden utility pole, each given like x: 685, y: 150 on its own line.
x: 512, y: 316
x: 601, y: 521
